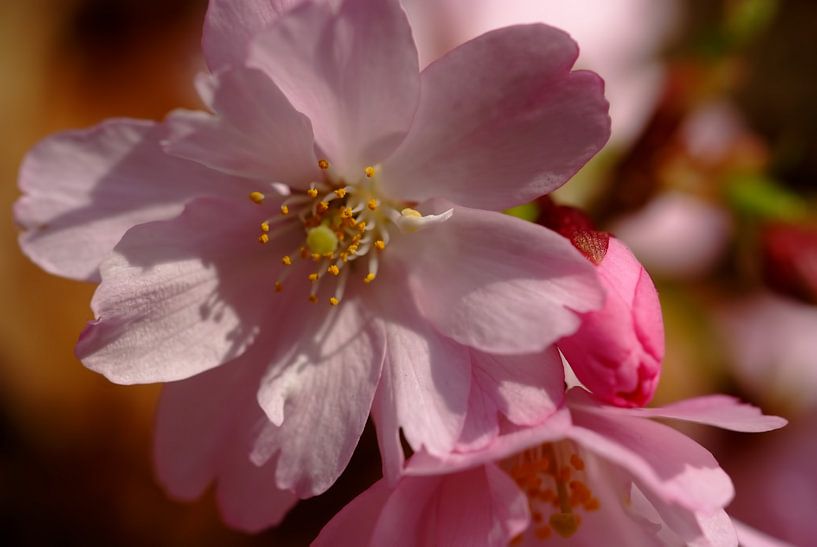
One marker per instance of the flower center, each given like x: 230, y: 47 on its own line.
x: 343, y: 222
x: 553, y: 478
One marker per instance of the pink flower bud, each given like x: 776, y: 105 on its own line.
x: 617, y: 351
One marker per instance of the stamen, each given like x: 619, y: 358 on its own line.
x: 323, y: 207
x: 341, y: 192
x: 263, y: 239
x: 284, y: 209
x: 372, y: 204
x: 313, y: 298
x: 278, y: 286
x: 369, y: 171
x: 257, y: 197
x: 379, y: 244
x: 323, y: 164
x: 286, y: 260
x: 265, y: 226
x: 333, y: 301
x: 334, y: 270
x: 312, y: 277
x: 369, y: 277
x: 312, y: 193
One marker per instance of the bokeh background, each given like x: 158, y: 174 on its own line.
x: 710, y: 177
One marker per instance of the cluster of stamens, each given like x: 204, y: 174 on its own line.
x: 554, y: 481
x: 342, y: 222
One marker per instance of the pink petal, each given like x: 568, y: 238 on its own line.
x: 716, y: 410
x: 526, y: 389
x: 256, y: 133
x: 429, y: 375
x: 674, y: 466
x: 84, y: 189
x: 205, y: 428
x: 230, y: 26
x: 407, y: 517
x: 354, y: 72
x: 501, y: 120
x: 482, y: 506
x: 496, y: 283
x: 354, y: 524
x: 325, y: 387
x: 507, y: 444
x: 387, y: 424
x: 181, y: 296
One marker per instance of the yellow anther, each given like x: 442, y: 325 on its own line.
x: 379, y: 244
x: 312, y: 277
x: 333, y: 301
x: 286, y: 260
x: 312, y: 192
x: 369, y: 278
x: 361, y: 225
x: 263, y: 239
x: 256, y: 197
x: 413, y: 213
x: 284, y: 210
x: 372, y: 204
x: 352, y: 249
x: 315, y: 256
x: 346, y: 212
x: 576, y: 462
x: 313, y: 298
x: 369, y: 171
x: 323, y: 164
x: 333, y: 269
x: 323, y: 207
x: 341, y: 192
x: 304, y: 253
x: 278, y: 286
x: 265, y: 227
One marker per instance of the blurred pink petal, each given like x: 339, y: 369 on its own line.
x: 676, y: 235
x: 773, y: 349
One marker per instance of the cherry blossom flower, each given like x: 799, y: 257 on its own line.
x: 370, y: 258
x: 589, y: 475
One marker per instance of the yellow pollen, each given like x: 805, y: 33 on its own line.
x: 312, y: 277
x: 312, y: 192
x: 369, y: 171
x: 341, y: 192
x: 372, y: 204
x: 352, y: 249
x: 284, y: 210
x: 263, y: 239
x: 361, y: 225
x: 413, y: 213
x: 379, y: 244
x: 323, y: 164
x: 369, y: 278
x: 323, y: 207
x: 347, y: 212
x: 286, y: 260
x: 265, y: 226
x: 313, y: 298
x: 278, y: 286
x: 256, y: 197
x: 333, y: 301
x: 333, y: 269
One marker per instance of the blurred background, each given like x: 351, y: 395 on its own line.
x: 710, y: 177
